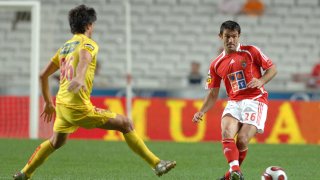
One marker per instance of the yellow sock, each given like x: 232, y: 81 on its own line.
x: 38, y: 157
x: 138, y: 146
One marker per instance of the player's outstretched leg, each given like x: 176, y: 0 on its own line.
x: 42, y: 152
x: 136, y: 144
x: 38, y: 157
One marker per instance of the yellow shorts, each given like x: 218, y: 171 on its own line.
x: 68, y: 119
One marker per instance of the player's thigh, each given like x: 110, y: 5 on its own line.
x: 231, y: 118
x: 229, y: 126
x: 247, y: 131
x: 96, y: 118
x: 120, y: 122
x: 62, y: 123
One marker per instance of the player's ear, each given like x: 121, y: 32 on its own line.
x: 220, y: 35
x: 89, y: 26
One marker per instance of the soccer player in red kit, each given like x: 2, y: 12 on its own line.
x: 246, y: 111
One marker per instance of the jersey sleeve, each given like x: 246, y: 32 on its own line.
x: 90, y: 46
x: 213, y: 80
x: 55, y: 58
x: 261, y: 59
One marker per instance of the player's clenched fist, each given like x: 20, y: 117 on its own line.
x: 197, y: 117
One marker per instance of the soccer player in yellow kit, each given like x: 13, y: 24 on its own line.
x: 77, y: 60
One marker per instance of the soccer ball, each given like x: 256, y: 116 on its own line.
x: 274, y: 173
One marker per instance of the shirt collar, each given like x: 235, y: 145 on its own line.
x: 238, y: 47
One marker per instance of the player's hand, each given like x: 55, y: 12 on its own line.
x: 76, y: 84
x: 197, y: 117
x: 255, y: 83
x: 48, y: 112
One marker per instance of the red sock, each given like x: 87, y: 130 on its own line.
x: 231, y: 153
x: 242, y: 156
x: 230, y: 150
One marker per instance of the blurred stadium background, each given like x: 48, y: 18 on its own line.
x: 167, y: 36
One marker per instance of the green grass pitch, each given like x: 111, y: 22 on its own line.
x: 101, y: 160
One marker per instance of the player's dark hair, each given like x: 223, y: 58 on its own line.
x: 80, y: 17
x: 231, y: 25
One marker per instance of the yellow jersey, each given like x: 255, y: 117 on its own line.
x: 67, y: 59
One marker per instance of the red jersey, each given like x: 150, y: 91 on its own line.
x: 237, y: 70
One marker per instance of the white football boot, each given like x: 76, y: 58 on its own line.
x: 163, y: 167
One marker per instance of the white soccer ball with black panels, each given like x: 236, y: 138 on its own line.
x: 274, y: 173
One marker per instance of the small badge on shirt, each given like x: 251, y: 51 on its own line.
x: 89, y: 47
x: 243, y: 63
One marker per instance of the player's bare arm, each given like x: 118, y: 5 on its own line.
x: 78, y: 82
x: 267, y: 76
x: 208, y: 103
x: 49, y: 108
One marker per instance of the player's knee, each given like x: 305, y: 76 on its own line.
x: 242, y: 141
x: 127, y: 125
x: 56, y: 144
x: 226, y: 133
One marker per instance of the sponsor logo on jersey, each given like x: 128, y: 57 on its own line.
x: 237, y: 81
x: 69, y: 47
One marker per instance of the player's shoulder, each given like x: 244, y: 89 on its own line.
x: 215, y: 60
x: 83, y: 39
x: 89, y: 44
x: 90, y: 41
x: 247, y: 47
x: 255, y: 51
x: 250, y: 48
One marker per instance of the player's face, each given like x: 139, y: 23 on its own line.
x: 230, y: 40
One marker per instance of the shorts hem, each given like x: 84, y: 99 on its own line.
x: 259, y: 130
x: 229, y: 114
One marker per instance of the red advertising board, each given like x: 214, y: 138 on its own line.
x: 170, y: 120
